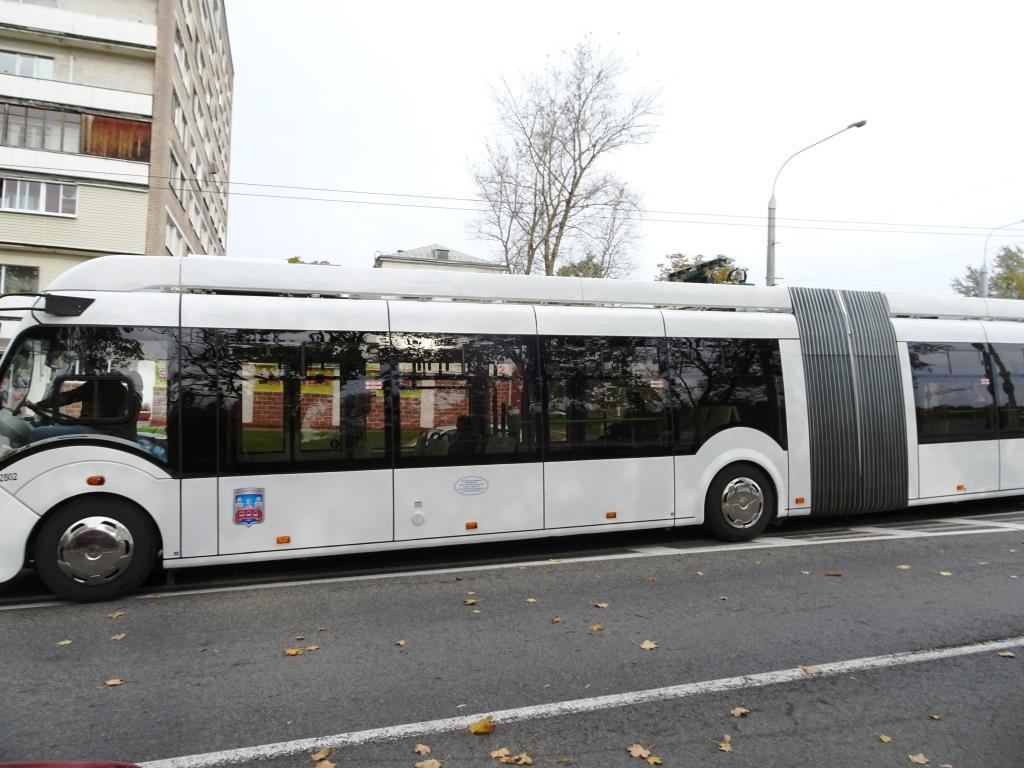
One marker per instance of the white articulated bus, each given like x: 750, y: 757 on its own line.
x: 208, y: 410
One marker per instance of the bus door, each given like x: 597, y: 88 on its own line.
x: 465, y: 400
x: 302, y: 449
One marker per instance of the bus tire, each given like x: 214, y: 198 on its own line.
x: 740, y: 502
x: 96, y: 547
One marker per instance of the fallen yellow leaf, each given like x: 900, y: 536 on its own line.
x: 725, y: 745
x: 700, y: 573
x: 724, y: 599
x: 471, y: 594
x: 483, y: 725
x: 430, y: 763
x: 638, y: 750
x: 648, y: 645
x: 476, y: 610
x: 811, y: 669
x: 600, y: 605
x: 653, y: 760
x: 918, y: 759
x: 319, y: 755
x: 946, y: 765
x: 422, y: 749
x: 739, y: 711
x: 293, y: 651
x: 322, y: 628
x: 401, y: 643
x: 299, y: 638
x: 903, y: 567
x: 1007, y: 654
x: 596, y: 627
x: 499, y: 753
x: 935, y: 716
x: 833, y: 573
x: 115, y: 615
x: 120, y: 636
x: 325, y: 764
x: 805, y: 573
x: 652, y: 579
x: 469, y: 601
x: 885, y: 738
x: 64, y: 642
x: 521, y: 759
x: 312, y: 648
x: 114, y: 681
x: 531, y: 599
x: 556, y: 619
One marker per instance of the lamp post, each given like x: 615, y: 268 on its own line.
x: 983, y: 274
x: 770, y: 271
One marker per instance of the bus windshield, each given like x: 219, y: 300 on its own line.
x: 109, y: 383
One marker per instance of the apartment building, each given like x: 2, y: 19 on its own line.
x: 115, y: 131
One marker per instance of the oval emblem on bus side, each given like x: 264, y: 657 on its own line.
x: 473, y: 485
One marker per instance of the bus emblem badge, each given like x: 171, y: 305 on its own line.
x: 249, y: 503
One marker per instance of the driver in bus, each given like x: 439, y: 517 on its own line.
x: 118, y: 399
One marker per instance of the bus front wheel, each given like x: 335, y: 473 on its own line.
x: 740, y: 503
x: 95, y: 548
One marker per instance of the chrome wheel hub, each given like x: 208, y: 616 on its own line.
x: 742, y: 503
x: 95, y: 550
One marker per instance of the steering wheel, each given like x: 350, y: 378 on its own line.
x: 46, y: 413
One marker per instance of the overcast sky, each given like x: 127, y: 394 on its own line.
x: 394, y: 98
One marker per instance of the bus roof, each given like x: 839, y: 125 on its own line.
x: 272, y: 277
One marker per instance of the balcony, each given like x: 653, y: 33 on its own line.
x: 74, y: 165
x: 87, y: 97
x: 83, y: 26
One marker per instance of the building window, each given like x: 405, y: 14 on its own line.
x: 26, y: 65
x: 177, y: 177
x: 38, y: 197
x: 179, y: 115
x: 179, y: 52
x: 15, y: 278
x: 174, y: 241
x: 48, y: 3
x: 197, y: 110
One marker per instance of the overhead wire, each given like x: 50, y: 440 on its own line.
x: 218, y: 188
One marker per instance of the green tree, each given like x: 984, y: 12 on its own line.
x: 677, y: 261
x: 1006, y: 280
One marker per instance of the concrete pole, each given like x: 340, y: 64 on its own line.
x: 770, y: 267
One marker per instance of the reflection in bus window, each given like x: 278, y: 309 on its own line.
x: 465, y: 399
x: 953, y: 392
x: 88, y: 382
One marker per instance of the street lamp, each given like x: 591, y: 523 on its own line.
x: 984, y: 256
x: 770, y: 271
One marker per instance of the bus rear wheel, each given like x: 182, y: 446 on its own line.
x: 95, y: 548
x: 740, y: 503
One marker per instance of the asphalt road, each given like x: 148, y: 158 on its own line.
x: 204, y: 669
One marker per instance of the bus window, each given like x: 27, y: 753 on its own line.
x: 605, y: 396
x: 1008, y: 370
x: 953, y: 392
x: 103, y: 383
x: 465, y: 399
x: 315, y: 398
x: 719, y: 383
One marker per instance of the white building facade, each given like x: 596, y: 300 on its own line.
x: 115, y: 124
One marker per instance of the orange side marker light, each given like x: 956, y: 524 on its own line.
x: 611, y: 515
x: 961, y: 487
x: 284, y: 539
x: 799, y: 499
x: 95, y: 480
x: 471, y: 526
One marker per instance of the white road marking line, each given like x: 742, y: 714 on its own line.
x: 638, y: 552
x: 250, y: 755
x: 889, y: 533
x: 991, y: 523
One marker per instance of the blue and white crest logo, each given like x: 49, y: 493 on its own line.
x: 472, y: 485
x: 249, y: 506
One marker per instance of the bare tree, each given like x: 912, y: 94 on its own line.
x: 547, y: 200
